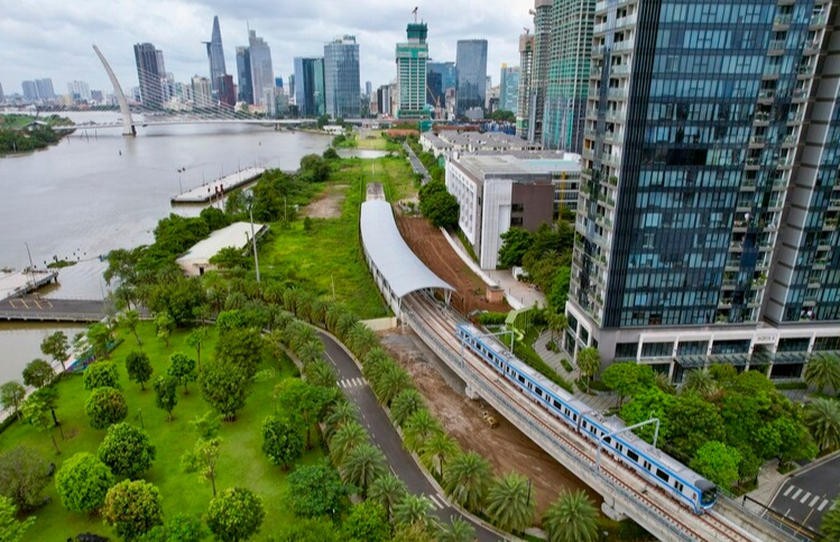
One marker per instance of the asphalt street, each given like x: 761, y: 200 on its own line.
x: 416, y: 164
x: 806, y: 497
x: 384, y: 435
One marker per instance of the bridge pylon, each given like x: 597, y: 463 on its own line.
x: 128, y: 122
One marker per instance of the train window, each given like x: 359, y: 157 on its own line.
x: 574, y: 417
x: 556, y: 404
x: 538, y: 390
x: 608, y: 440
x: 647, y: 465
x: 662, y: 475
x: 520, y: 378
x: 619, y: 447
x: 583, y: 425
x: 679, y: 486
x: 633, y: 456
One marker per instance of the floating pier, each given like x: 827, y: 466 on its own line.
x: 19, y: 283
x: 218, y: 188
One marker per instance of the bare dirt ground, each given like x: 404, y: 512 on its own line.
x: 505, y: 446
x: 430, y: 246
x: 328, y: 204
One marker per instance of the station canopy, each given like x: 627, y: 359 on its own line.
x: 402, y: 270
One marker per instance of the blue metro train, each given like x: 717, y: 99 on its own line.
x: 676, y: 479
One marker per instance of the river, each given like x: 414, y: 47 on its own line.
x: 94, y: 192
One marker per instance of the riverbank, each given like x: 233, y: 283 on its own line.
x: 21, y: 134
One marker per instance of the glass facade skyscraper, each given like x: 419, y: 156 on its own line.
x: 216, y: 57
x: 243, y: 75
x: 262, y: 73
x: 309, y: 86
x: 509, y: 88
x: 708, y: 213
x: 342, y: 83
x: 440, y: 76
x: 150, y: 71
x: 471, y: 60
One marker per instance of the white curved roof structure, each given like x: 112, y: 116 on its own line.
x: 390, y: 258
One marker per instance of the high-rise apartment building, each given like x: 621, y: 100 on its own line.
x: 30, y: 91
x: 342, y: 86
x: 567, y: 78
x: 262, y: 73
x: 202, y: 92
x: 710, y: 199
x: 216, y: 56
x: 150, y: 72
x: 309, y: 87
x: 243, y: 75
x: 78, y: 90
x: 526, y: 98
x: 412, y: 57
x: 471, y: 60
x: 227, y: 90
x: 45, y: 89
x: 509, y: 88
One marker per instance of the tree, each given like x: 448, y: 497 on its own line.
x: 104, y: 407
x: 303, y: 399
x: 316, y: 490
x: 406, y: 403
x: 23, y: 475
x: 502, y: 115
x: 12, y: 395
x: 442, y: 210
x: 164, y: 324
x: 139, y: 368
x: 693, y: 421
x: 166, y: 394
x: 415, y: 532
x: 37, y: 412
x: 181, y: 369
x: 387, y: 491
x: 38, y: 373
x: 717, y: 462
x: 458, y: 530
x: 415, y: 510
x: 438, y: 449
x: 203, y: 459
x: 588, y: 361
x: 195, y: 340
x: 237, y: 514
x: 12, y: 529
x: 225, y: 386
x: 320, y: 373
x: 559, y: 292
x: 366, y: 522
x: 338, y: 415
x: 57, y: 347
x: 102, y: 374
x: 822, y: 417
x: 557, y: 321
x: 99, y: 337
x: 241, y: 347
x: 347, y: 437
x: 129, y: 320
x: 466, y: 480
x: 830, y: 526
x: 181, y: 528
x: 701, y: 382
x: 133, y: 508
x: 127, y: 450
x: 515, y: 243
x: 306, y: 530
x: 82, y: 483
x: 364, y: 464
x: 510, y: 505
x: 627, y: 379
x: 419, y: 428
x: 282, y: 440
x: 823, y: 372
x: 573, y: 517
x: 393, y: 380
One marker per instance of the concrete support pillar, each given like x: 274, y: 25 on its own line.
x: 609, y: 508
x: 471, y: 393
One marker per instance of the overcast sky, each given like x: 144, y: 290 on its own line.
x: 52, y: 38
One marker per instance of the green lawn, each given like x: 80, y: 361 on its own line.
x: 242, y: 462
x: 330, y: 253
x: 374, y: 140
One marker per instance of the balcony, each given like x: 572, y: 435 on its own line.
x: 818, y: 20
x: 805, y: 71
x: 620, y: 69
x: 772, y: 70
x: 617, y: 93
x: 625, y: 21
x: 766, y: 94
x: 777, y: 45
x: 626, y: 45
x: 757, y: 140
x: 598, y: 28
x: 781, y: 20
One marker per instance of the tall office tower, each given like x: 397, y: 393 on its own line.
x: 525, y: 99
x: 342, y: 86
x: 471, y: 60
x: 368, y: 88
x: 227, y: 90
x: 278, y: 84
x: 440, y: 76
x: 383, y: 99
x: 216, y: 56
x: 45, y: 89
x: 709, y: 205
x: 149, y: 74
x: 291, y: 85
x: 568, y: 74
x: 30, y: 91
x: 78, y: 90
x: 202, y: 92
x: 243, y: 75
x: 543, y: 25
x: 262, y: 73
x: 412, y: 57
x: 509, y: 88
x: 309, y: 86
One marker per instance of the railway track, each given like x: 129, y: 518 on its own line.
x: 440, y: 323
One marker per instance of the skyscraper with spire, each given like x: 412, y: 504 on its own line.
x: 216, y: 56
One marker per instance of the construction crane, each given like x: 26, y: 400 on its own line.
x: 438, y: 109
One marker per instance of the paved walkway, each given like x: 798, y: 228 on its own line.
x: 416, y: 164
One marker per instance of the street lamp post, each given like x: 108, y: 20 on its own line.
x: 253, y: 237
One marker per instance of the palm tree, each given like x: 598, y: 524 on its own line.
x: 822, y: 417
x: 362, y: 466
x: 298, y: 334
x: 387, y: 490
x: 701, y: 382
x: 317, y: 312
x: 375, y: 362
x: 129, y: 320
x: 290, y: 297
x: 303, y: 306
x: 663, y: 382
x: 393, y: 380
x: 466, y: 480
x: 406, y: 403
x: 573, y: 517
x: 823, y: 372
x: 830, y: 526
x: 588, y: 361
x: 414, y: 510
x: 458, y: 530
x: 310, y: 351
x: 345, y: 323
x: 510, y: 505
x: 557, y: 322
x: 347, y: 437
x: 438, y: 449
x: 320, y: 373
x: 332, y: 314
x: 361, y: 339
x: 339, y: 415
x: 419, y: 428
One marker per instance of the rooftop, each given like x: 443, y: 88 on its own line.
x: 484, y: 165
x: 237, y: 235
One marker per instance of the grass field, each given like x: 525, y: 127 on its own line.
x: 329, y: 253
x: 242, y: 462
x: 374, y: 140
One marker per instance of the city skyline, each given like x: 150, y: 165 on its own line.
x: 54, y: 40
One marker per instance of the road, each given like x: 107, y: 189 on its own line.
x: 416, y: 164
x: 385, y: 436
x: 806, y: 497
